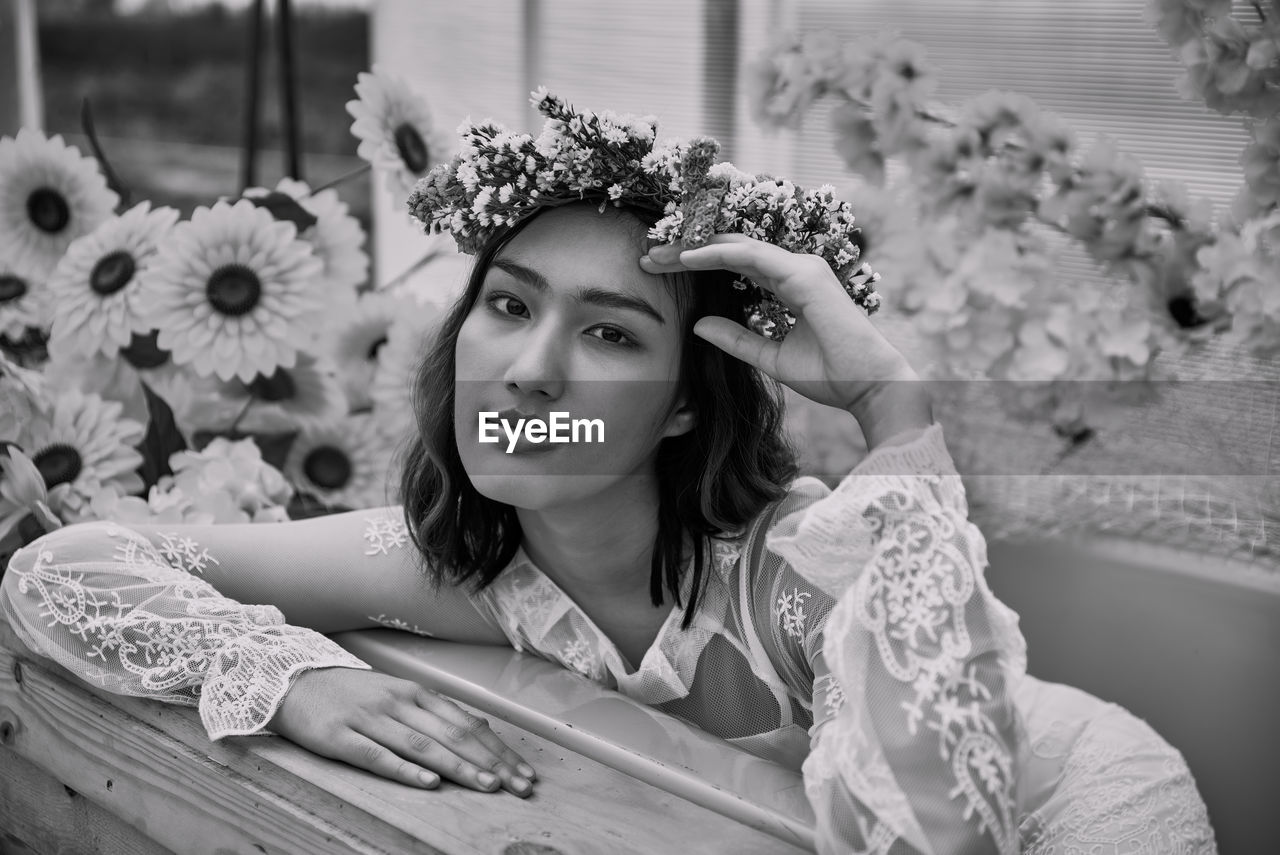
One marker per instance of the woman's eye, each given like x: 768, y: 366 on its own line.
x: 613, y: 335
x: 513, y: 306
x: 509, y: 307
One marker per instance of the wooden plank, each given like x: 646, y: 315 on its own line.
x: 187, y: 792
x: 160, y: 786
x: 40, y: 814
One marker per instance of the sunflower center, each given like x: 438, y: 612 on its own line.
x: 11, y: 288
x: 413, y: 149
x: 277, y: 387
x: 143, y: 352
x: 234, y: 289
x: 58, y: 464
x: 282, y: 206
x: 374, y: 348
x: 49, y: 210
x: 112, y: 272
x: 327, y: 467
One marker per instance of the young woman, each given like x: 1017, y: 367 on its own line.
x: 847, y: 633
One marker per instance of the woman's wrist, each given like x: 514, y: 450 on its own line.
x: 891, y: 409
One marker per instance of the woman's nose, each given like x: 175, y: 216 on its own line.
x: 537, y: 366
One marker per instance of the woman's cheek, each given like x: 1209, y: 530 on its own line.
x: 476, y: 352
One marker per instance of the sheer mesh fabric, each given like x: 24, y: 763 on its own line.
x: 119, y: 615
x: 849, y: 634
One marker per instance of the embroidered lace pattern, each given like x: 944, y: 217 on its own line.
x: 143, y: 625
x: 384, y: 532
x: 1112, y: 785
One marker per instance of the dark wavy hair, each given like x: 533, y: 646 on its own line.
x: 713, y: 479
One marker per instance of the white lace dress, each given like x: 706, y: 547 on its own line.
x: 849, y: 634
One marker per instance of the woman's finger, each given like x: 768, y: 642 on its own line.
x: 738, y: 341
x: 495, y: 744
x: 468, y: 736
x: 649, y: 264
x: 801, y: 280
x: 365, y: 753
x: 748, y: 257
x: 440, y: 756
x: 737, y: 253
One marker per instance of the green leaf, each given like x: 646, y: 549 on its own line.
x: 162, y: 440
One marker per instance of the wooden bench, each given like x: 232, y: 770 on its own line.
x: 83, y: 770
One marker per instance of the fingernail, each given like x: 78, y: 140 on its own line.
x: 520, y: 784
x: 486, y: 779
x: 525, y: 769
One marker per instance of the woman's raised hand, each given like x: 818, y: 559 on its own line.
x: 834, y: 355
x: 397, y: 729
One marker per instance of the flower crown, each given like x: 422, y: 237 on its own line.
x: 499, y: 177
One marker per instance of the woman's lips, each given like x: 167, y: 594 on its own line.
x: 526, y: 446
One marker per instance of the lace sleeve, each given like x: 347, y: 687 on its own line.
x: 102, y: 601
x: 915, y: 729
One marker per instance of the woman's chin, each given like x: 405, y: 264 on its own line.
x: 538, y: 491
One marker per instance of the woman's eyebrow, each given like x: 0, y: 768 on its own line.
x: 592, y: 295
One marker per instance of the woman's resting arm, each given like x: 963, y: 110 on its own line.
x: 332, y: 573
x: 915, y: 730
x: 196, y: 615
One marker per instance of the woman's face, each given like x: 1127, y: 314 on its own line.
x: 567, y: 322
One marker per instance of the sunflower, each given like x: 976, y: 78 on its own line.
x: 49, y: 196
x: 345, y: 463
x: 232, y: 292
x: 24, y: 302
x: 335, y: 236
x: 398, y: 362
x: 308, y: 394
x: 79, y: 444
x: 94, y: 288
x: 396, y: 132
x: 356, y: 343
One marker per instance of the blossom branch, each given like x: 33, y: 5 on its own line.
x: 343, y: 178
x: 924, y: 113
x: 974, y: 179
